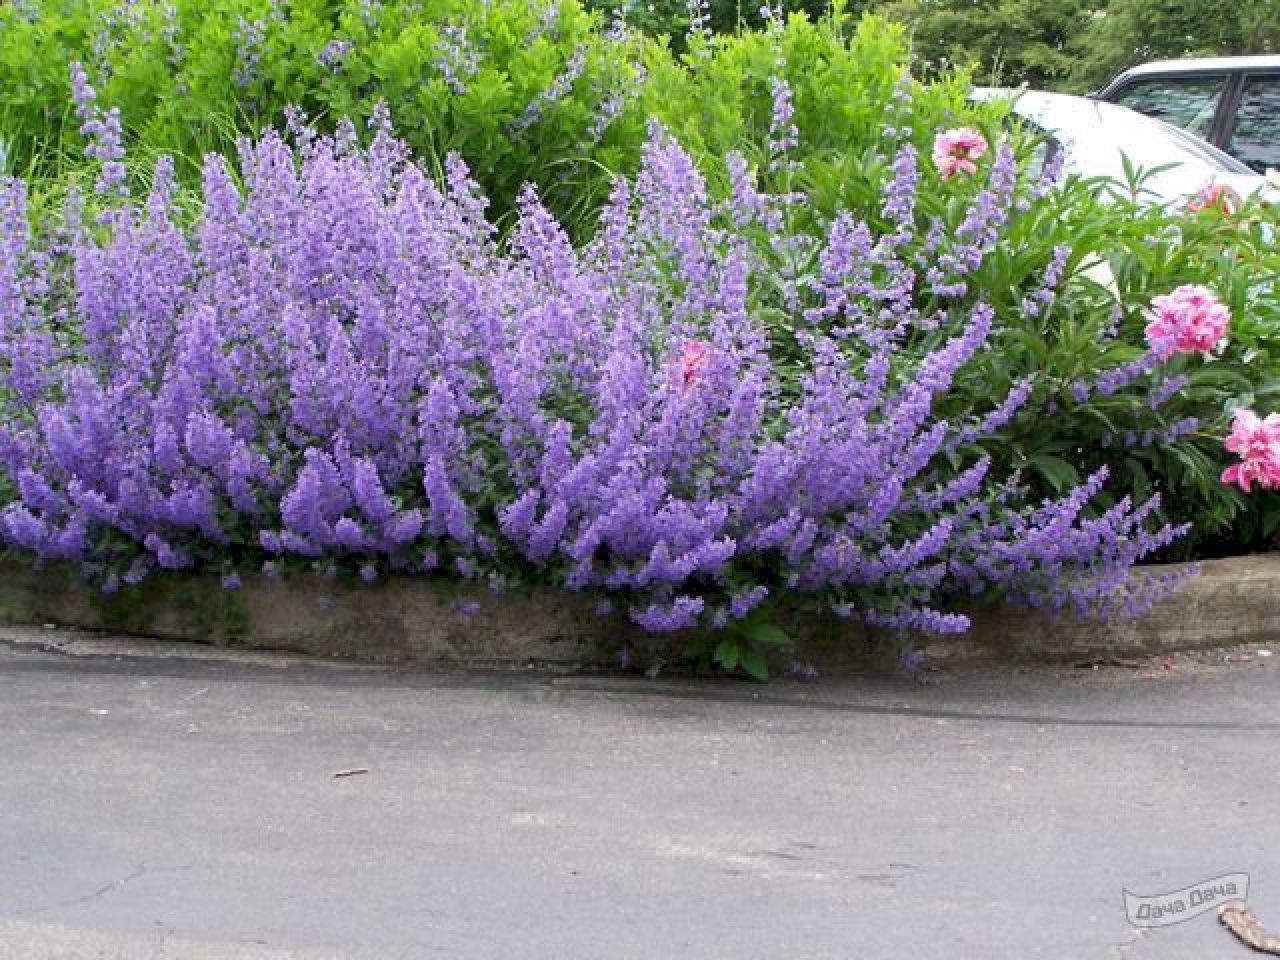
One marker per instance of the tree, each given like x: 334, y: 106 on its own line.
x: 1004, y: 42
x: 1128, y: 32
x: 671, y: 18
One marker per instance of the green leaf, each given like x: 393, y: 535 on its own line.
x: 1058, y: 473
x: 765, y: 635
x: 728, y: 653
x: 753, y: 663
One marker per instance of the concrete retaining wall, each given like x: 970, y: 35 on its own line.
x: 404, y: 619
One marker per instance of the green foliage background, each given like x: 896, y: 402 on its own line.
x: 1071, y: 45
x: 1077, y: 45
x: 187, y: 81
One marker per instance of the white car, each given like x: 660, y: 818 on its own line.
x: 1095, y: 137
x: 1233, y: 102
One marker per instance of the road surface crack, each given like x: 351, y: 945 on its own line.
x: 107, y: 888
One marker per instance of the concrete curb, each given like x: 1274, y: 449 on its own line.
x: 398, y: 620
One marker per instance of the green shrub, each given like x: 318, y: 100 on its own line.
x: 1149, y: 251
x: 523, y: 90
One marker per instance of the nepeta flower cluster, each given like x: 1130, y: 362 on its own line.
x: 26, y: 10
x: 250, y: 36
x: 116, y: 24
x: 699, y: 13
x: 340, y: 367
x: 556, y: 91
x: 456, y: 58
x: 333, y: 53
x: 103, y: 131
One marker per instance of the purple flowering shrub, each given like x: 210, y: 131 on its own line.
x: 341, y: 366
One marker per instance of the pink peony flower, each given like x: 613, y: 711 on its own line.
x: 1216, y: 196
x: 955, y: 150
x: 1257, y: 443
x: 1191, y: 319
x: 693, y: 361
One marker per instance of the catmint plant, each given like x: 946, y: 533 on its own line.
x: 456, y: 58
x: 556, y: 91
x: 339, y: 365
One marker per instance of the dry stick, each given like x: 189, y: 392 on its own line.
x: 1240, y: 920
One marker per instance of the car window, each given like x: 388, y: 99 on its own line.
x: 1256, y: 139
x: 1187, y: 102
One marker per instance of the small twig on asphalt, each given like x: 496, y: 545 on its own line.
x: 354, y: 771
x: 1119, y: 949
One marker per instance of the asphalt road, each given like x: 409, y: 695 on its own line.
x: 168, y: 803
